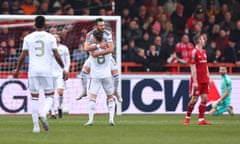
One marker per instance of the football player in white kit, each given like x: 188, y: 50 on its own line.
x: 100, y: 61
x: 39, y: 46
x: 60, y: 84
x: 99, y: 26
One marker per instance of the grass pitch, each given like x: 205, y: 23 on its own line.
x: 129, y: 129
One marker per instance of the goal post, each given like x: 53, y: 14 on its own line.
x: 18, y: 24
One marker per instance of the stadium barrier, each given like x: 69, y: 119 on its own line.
x: 174, y: 68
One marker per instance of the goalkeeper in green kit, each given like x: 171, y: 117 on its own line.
x: 223, y: 104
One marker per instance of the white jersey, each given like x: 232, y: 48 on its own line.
x: 100, y: 66
x: 65, y: 56
x: 39, y: 45
x: 107, y: 37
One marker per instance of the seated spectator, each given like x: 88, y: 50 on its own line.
x: 43, y: 8
x: 130, y: 51
x: 125, y: 16
x: 218, y: 57
x: 147, y: 24
x: 170, y: 6
x: 79, y: 56
x: 223, y: 10
x: 184, y: 48
x: 152, y: 54
x: 28, y: 7
x: 15, y: 7
x: 197, y: 30
x: 211, y: 51
x: 144, y: 42
x: 57, y: 11
x: 5, y: 34
x: 12, y: 57
x: 197, y: 16
x: 142, y: 14
x: 3, y: 51
x: 158, y: 43
x: 168, y: 47
x: 133, y: 31
x: 102, y: 12
x: 222, y: 41
x: 155, y: 30
x: 208, y: 26
x: 167, y: 28
x: 141, y: 58
x: 178, y: 19
x: 4, y: 6
x: 230, y: 52
x: 227, y: 22
x: 69, y: 11
x: 212, y: 9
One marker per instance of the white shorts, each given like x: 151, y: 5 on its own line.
x: 44, y: 83
x: 87, y: 63
x: 59, y: 83
x: 106, y: 83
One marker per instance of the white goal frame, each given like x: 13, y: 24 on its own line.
x: 59, y: 18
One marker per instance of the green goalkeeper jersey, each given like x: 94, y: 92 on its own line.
x: 226, y: 84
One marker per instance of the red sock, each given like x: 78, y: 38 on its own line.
x: 202, y: 109
x: 189, y: 110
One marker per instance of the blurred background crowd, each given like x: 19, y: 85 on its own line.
x: 154, y: 32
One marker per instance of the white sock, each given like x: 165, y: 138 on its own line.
x: 53, y: 108
x: 35, y: 104
x: 111, y: 108
x: 92, y: 105
x: 84, y: 80
x: 47, y: 106
x: 115, y: 81
x: 60, y: 100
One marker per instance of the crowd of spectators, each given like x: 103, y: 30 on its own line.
x: 56, y: 7
x: 164, y: 29
x: 154, y: 32
x: 73, y: 35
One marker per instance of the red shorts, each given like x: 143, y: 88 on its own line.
x: 203, y: 88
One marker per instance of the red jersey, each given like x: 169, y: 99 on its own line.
x: 191, y: 22
x: 199, y: 58
x: 184, y: 50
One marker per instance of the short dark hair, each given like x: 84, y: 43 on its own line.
x: 98, y: 35
x: 40, y: 21
x: 196, y: 38
x: 98, y: 20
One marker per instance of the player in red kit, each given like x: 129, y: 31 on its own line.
x: 199, y: 83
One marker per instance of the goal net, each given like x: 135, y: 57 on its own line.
x: 72, y: 30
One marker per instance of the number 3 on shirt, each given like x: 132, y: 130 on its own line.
x: 41, y: 48
x: 101, y: 59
